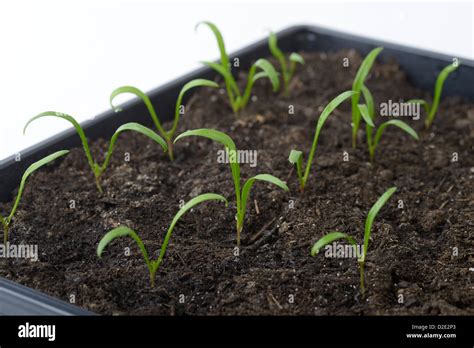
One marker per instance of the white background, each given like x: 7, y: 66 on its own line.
x: 69, y: 55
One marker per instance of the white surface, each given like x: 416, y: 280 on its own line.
x: 69, y: 55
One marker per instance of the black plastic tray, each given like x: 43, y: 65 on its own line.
x: 421, y: 66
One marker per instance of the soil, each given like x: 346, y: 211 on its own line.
x: 422, y: 242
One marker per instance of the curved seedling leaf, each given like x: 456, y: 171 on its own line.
x: 137, y: 92
x: 30, y: 170
x: 219, y: 39
x: 369, y: 101
x: 397, y: 123
x: 186, y: 88
x: 136, y: 127
x: 371, y: 216
x: 438, y: 89
x: 212, y: 134
x: 364, y: 111
x: 76, y: 126
x: 273, y: 46
x: 226, y: 74
x: 422, y: 102
x: 296, y: 158
x: 262, y: 177
x: 333, y: 104
x: 364, y: 68
x: 120, y: 232
x: 359, y: 80
x: 329, y: 238
x: 190, y: 204
x: 270, y: 72
x: 297, y: 58
x: 228, y: 143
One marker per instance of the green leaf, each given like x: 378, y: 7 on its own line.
x: 136, y: 127
x: 228, y: 143
x: 262, y: 177
x: 273, y: 46
x: 226, y: 74
x: 297, y: 58
x: 219, y: 39
x: 270, y: 72
x: 135, y: 91
x: 76, y: 126
x: 333, y: 104
x: 369, y: 101
x: 397, y: 123
x: 359, y: 80
x: 329, y: 238
x: 187, y: 206
x: 364, y: 69
x: 422, y: 102
x: 296, y: 158
x: 438, y: 89
x: 212, y: 134
x: 371, y: 217
x: 30, y: 170
x: 120, y: 232
x: 191, y: 84
x: 364, y: 111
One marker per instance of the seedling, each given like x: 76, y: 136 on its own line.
x: 431, y: 109
x: 287, y: 68
x: 239, y: 100
x: 332, y: 236
x: 6, y: 221
x: 168, y: 135
x: 368, y: 114
x: 96, y: 168
x: 359, y: 81
x: 296, y: 157
x: 153, y: 265
x: 241, y: 195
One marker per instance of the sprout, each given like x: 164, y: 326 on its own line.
x: 168, y: 135
x: 6, y: 221
x: 287, y: 69
x: 359, y: 80
x: 97, y: 169
x: 239, y: 100
x: 433, y: 108
x: 368, y: 114
x: 242, y: 195
x: 296, y: 157
x: 153, y: 265
x: 330, y: 237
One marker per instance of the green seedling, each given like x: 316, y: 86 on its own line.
x: 239, y: 100
x: 96, y: 168
x: 431, y: 109
x: 6, y: 221
x: 287, y: 68
x: 241, y: 195
x: 359, y: 81
x: 179, y: 108
x: 153, y: 265
x: 368, y: 114
x: 296, y: 157
x: 332, y: 236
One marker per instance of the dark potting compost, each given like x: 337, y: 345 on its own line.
x: 422, y: 241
